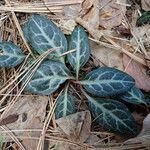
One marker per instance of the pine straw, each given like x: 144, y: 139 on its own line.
x: 39, y: 7
x: 11, y: 90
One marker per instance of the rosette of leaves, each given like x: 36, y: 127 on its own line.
x: 101, y: 82
x: 10, y: 55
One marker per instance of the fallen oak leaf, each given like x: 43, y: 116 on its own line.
x: 138, y: 72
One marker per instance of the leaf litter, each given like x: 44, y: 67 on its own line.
x: 98, y: 18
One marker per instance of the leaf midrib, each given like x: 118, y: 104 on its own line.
x: 65, y: 103
x: 14, y: 55
x: 78, y: 55
x: 55, y: 77
x: 84, y: 82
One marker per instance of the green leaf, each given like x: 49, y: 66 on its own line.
x: 113, y: 116
x: 65, y: 104
x: 43, y: 34
x: 134, y: 95
x: 144, y: 19
x: 79, y: 42
x: 10, y: 55
x: 48, y: 77
x: 147, y: 98
x: 106, y: 81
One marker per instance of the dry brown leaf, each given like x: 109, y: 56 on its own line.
x: 77, y: 126
x: 107, y: 56
x: 90, y: 19
x: 145, y: 5
x: 72, y: 11
x: 31, y: 144
x: 139, y: 117
x: 67, y: 26
x: 93, y: 139
x: 105, y: 13
x: 144, y: 136
x: 92, y: 15
x: 138, y: 72
x: 31, y: 111
x: 111, y: 13
x: 86, y: 6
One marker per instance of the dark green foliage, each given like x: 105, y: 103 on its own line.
x: 147, y: 98
x: 10, y: 55
x: 134, y: 95
x: 144, y: 19
x: 48, y: 78
x: 113, y: 115
x: 106, y: 81
x: 65, y: 104
x: 79, y: 42
x: 43, y: 34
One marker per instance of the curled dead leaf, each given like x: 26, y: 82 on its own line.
x: 138, y: 72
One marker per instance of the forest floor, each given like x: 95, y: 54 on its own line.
x: 119, y: 37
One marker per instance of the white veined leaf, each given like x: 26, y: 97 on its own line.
x: 48, y: 77
x: 65, y: 104
x: 134, y: 95
x: 79, y: 42
x: 113, y: 116
x: 106, y: 81
x: 43, y: 34
x: 10, y: 55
